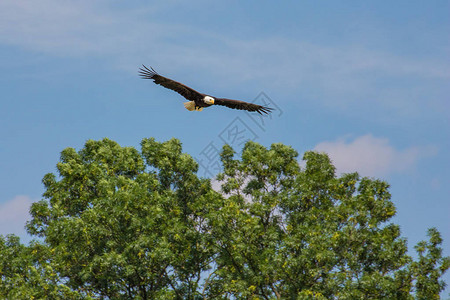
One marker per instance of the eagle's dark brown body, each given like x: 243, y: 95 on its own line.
x: 199, y: 100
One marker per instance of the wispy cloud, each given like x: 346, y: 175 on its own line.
x: 68, y: 28
x: 86, y: 27
x: 372, y: 156
x: 14, y: 214
x: 340, y: 76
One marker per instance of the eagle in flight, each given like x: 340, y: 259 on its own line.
x: 197, y: 101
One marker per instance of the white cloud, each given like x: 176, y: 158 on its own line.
x: 76, y: 28
x: 372, y: 156
x: 216, y: 185
x: 14, y: 214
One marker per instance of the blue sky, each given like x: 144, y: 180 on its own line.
x: 366, y: 82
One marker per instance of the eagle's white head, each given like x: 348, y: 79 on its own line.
x: 208, y: 100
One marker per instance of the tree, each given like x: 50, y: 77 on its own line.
x: 26, y: 272
x: 309, y: 234
x: 118, y: 223
x: 125, y: 224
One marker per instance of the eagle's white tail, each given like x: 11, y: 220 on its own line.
x: 190, y: 106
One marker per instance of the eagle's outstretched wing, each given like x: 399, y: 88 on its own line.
x: 180, y: 88
x: 236, y: 104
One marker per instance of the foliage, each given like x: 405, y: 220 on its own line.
x: 26, y: 272
x: 117, y: 223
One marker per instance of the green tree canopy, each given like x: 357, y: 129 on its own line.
x: 118, y: 223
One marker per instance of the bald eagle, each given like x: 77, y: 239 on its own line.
x: 198, y: 100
